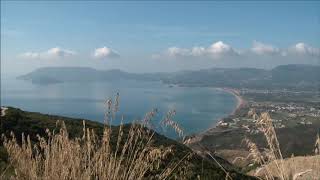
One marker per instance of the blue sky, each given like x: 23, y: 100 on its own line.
x: 128, y: 35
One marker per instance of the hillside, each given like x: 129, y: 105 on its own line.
x: 301, y: 167
x: 284, y: 76
x: 32, y: 123
x: 50, y: 75
x: 219, y: 77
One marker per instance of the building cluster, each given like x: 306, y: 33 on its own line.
x: 292, y: 109
x: 282, y: 115
x: 273, y: 91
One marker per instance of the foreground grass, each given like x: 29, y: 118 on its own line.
x: 301, y: 167
x: 59, y: 157
x: 271, y: 163
x: 169, y: 158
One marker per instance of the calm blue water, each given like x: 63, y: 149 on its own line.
x: 197, y: 108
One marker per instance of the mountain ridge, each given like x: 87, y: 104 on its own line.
x: 283, y: 76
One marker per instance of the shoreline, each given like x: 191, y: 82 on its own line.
x: 240, y: 103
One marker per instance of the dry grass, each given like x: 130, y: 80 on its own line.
x: 89, y: 157
x: 272, y: 164
x: 168, y: 122
x: 302, y: 167
x: 58, y: 157
x: 317, y: 145
x: 236, y: 157
x: 133, y: 155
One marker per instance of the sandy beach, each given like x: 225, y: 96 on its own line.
x: 240, y: 103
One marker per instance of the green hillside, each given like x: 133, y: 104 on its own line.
x: 32, y: 123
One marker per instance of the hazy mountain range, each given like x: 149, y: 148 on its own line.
x: 285, y: 76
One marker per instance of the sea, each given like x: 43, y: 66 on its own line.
x: 197, y: 108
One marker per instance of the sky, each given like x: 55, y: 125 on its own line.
x: 157, y: 36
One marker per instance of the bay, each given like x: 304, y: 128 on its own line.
x: 197, y: 108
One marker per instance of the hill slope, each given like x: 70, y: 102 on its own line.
x: 50, y: 75
x: 31, y: 123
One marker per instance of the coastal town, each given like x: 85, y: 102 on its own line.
x: 295, y: 117
x: 283, y: 114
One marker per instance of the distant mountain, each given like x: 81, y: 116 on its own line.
x: 296, y: 73
x: 293, y: 76
x: 50, y: 75
x: 285, y: 76
x: 218, y: 77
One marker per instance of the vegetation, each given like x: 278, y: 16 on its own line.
x: 46, y: 148
x: 271, y: 161
x: 297, y: 140
x: 58, y: 157
x: 37, y: 146
x: 294, y: 137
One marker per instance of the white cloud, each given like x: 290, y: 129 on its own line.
x: 52, y: 53
x: 105, y: 52
x: 216, y: 50
x: 176, y: 52
x: 304, y: 49
x: 30, y: 55
x: 220, y: 49
x: 264, y: 49
x: 58, y: 52
x: 198, y: 51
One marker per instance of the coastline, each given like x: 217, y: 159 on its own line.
x: 240, y: 103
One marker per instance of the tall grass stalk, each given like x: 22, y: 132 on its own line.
x: 272, y: 164
x: 57, y: 156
